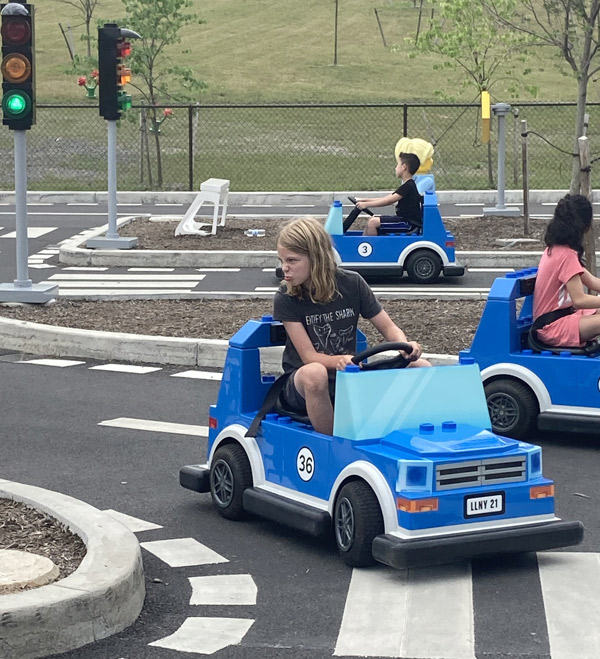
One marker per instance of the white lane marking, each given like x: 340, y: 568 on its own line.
x: 61, y: 363
x: 131, y: 203
x: 384, y: 614
x: 268, y: 269
x: 32, y: 232
x: 206, y: 635
x: 155, y: 278
x: 38, y: 203
x: 124, y: 283
x: 66, y: 214
x: 267, y: 288
x: 38, y: 266
x: 126, y: 368
x: 172, y: 204
x: 390, y: 289
x: 217, y: 269
x: 198, y: 375
x: 469, y: 204
x: 134, y: 524
x: 122, y: 293
x: 183, y: 552
x: 156, y: 426
x: 223, y: 589
x: 83, y: 203
x: 49, y: 251
x: 490, y: 269
x: 570, y: 586
x: 150, y: 269
x: 89, y: 268
x: 257, y: 205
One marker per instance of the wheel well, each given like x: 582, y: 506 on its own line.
x: 353, y: 479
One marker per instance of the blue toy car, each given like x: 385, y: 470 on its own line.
x: 412, y: 475
x: 423, y: 254
x: 528, y: 384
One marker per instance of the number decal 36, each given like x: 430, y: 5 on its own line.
x: 305, y: 463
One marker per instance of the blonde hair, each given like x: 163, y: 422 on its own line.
x: 307, y: 236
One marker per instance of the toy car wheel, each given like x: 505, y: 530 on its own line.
x: 279, y: 272
x: 357, y: 522
x: 230, y: 475
x: 423, y: 266
x: 513, y: 407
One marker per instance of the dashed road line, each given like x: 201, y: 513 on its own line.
x: 183, y: 552
x: 156, y: 426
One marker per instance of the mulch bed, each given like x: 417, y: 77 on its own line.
x: 30, y: 530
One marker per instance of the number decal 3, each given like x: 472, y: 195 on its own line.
x: 365, y: 250
x: 305, y: 463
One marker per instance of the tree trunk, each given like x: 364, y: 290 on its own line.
x: 579, y: 122
x: 589, y: 240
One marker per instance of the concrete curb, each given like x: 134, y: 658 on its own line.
x: 36, y: 338
x: 102, y: 597
x: 72, y: 253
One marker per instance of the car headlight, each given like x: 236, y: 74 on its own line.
x: 535, y: 463
x: 415, y: 476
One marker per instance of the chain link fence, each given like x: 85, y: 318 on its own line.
x: 290, y: 147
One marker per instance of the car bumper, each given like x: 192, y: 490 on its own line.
x: 195, y: 477
x: 453, y: 270
x: 405, y: 553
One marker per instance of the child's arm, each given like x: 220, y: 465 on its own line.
x: 306, y: 350
x: 375, y: 202
x: 579, y: 298
x: 391, y: 332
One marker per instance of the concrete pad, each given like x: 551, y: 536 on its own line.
x: 20, y: 569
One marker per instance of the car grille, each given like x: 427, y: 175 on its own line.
x: 476, y: 473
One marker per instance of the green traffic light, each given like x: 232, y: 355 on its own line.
x: 15, y: 104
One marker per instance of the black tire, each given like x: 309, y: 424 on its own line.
x: 357, y: 521
x: 513, y: 407
x: 423, y: 266
x: 279, y: 272
x: 230, y: 475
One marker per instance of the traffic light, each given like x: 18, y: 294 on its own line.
x: 18, y: 66
x: 113, y: 48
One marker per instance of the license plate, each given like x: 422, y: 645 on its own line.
x: 489, y: 504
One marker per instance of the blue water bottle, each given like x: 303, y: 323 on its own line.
x: 334, y: 224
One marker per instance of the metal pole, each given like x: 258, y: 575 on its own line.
x: 22, y: 279
x: 335, y: 35
x: 112, y: 180
x: 526, y: 229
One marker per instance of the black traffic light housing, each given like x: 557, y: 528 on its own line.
x: 18, y: 65
x: 113, y: 47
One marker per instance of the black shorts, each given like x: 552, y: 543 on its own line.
x: 292, y: 399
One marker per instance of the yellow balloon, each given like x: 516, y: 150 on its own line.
x: 421, y: 148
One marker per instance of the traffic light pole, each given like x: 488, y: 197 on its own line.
x: 22, y: 290
x: 112, y: 240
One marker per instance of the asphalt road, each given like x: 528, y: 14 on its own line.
x: 49, y: 224
x: 501, y: 609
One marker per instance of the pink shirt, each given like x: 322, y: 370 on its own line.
x: 557, y: 265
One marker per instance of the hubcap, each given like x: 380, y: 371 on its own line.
x: 344, y: 525
x: 222, y: 483
x: 424, y: 267
x: 504, y: 411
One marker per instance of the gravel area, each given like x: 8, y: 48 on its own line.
x: 27, y: 529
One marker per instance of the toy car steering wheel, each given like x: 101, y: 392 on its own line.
x: 363, y: 210
x: 398, y: 361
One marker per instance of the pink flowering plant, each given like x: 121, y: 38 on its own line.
x: 89, y: 82
x: 155, y: 127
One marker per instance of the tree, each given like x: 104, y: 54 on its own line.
x: 86, y: 9
x: 468, y: 39
x: 572, y: 29
x: 159, y: 23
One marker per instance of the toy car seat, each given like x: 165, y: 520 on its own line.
x: 591, y: 348
x: 403, y: 226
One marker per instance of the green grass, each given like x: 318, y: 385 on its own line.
x: 283, y: 52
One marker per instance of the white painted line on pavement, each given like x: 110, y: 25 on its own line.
x: 183, y: 552
x: 38, y: 203
x: 61, y: 363
x: 223, y: 590
x: 490, y: 269
x: 39, y: 266
x: 155, y: 278
x: 156, y: 426
x: 134, y: 524
x: 89, y: 268
x: 268, y: 269
x: 126, y: 368
x: 83, y: 203
x: 384, y: 613
x: 570, y: 586
x: 150, y: 269
x: 267, y: 288
x: 217, y: 269
x: 471, y: 203
x: 198, y: 375
x: 125, y: 283
x: 105, y: 292
x: 206, y: 635
x: 131, y: 203
x: 66, y: 214
x: 32, y: 232
x: 173, y: 204
x: 257, y: 205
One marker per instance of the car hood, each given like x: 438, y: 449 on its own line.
x: 464, y: 441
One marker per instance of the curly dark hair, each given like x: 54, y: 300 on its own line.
x: 572, y: 218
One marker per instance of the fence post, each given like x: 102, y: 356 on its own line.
x: 589, y: 239
x: 190, y: 150
x: 526, y: 230
x: 516, y: 148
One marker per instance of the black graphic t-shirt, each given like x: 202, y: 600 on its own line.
x: 331, y: 326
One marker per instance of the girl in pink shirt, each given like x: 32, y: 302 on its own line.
x: 561, y: 277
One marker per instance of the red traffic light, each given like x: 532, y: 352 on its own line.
x: 16, y: 31
x: 124, y: 49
